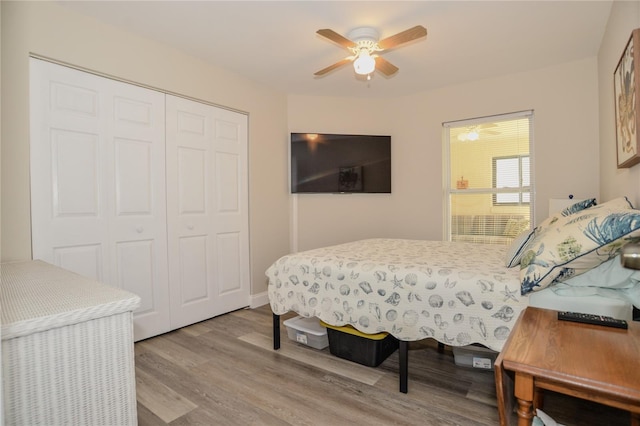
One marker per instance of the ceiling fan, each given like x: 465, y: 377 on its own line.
x: 472, y: 133
x: 364, y: 45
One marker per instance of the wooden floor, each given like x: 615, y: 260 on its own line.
x: 224, y: 372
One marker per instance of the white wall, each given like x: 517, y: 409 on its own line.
x: 46, y: 29
x: 614, y: 182
x: 324, y: 219
x: 565, y: 103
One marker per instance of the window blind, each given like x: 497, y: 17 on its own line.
x: 488, y: 177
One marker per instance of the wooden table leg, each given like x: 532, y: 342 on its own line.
x: 538, y: 398
x: 504, y: 393
x: 524, y: 390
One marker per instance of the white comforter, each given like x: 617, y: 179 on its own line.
x: 457, y: 293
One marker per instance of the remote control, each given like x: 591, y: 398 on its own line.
x: 593, y: 319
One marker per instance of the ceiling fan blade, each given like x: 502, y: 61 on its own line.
x: 385, y: 67
x: 335, y: 37
x: 403, y: 37
x: 334, y: 66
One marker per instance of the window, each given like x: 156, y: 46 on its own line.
x: 511, y: 172
x: 488, y: 180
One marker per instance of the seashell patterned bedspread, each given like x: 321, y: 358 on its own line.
x: 457, y: 293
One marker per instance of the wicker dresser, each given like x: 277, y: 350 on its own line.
x: 67, y: 348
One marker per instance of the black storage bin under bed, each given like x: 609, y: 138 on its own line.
x: 366, y: 349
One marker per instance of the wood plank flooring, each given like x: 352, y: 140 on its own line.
x: 223, y: 371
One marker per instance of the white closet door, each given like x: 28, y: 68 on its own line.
x: 69, y: 220
x: 98, y: 184
x: 207, y: 210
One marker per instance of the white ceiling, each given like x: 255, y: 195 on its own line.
x: 274, y: 42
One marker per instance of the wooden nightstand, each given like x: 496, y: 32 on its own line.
x: 592, y: 362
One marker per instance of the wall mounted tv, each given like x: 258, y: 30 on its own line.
x: 333, y: 163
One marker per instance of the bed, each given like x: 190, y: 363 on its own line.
x: 454, y: 292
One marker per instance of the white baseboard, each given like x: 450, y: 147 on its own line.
x: 259, y: 299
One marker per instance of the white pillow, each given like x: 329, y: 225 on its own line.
x: 610, y: 274
x: 543, y: 419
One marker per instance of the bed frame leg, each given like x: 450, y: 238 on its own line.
x: 404, y: 365
x: 276, y: 332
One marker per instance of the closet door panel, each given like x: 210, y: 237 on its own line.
x: 191, y: 230
x: 229, y: 265
x: 135, y: 273
x: 231, y: 208
x: 75, y: 164
x: 227, y: 183
x: 72, y: 102
x: 137, y: 193
x: 192, y: 182
x: 85, y: 260
x: 69, y: 221
x: 192, y: 282
x: 194, y: 279
x: 138, y: 150
x: 134, y: 177
x: 98, y: 186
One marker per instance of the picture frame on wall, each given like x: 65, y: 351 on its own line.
x: 627, y: 110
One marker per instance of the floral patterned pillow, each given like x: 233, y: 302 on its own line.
x: 518, y: 246
x: 574, y: 244
x: 580, y: 205
x: 574, y: 208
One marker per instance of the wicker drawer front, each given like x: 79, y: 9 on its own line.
x: 81, y: 374
x: 67, y: 348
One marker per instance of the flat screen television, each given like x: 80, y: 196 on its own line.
x: 334, y: 163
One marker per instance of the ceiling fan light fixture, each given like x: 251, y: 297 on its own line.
x: 364, y: 63
x: 473, y: 135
